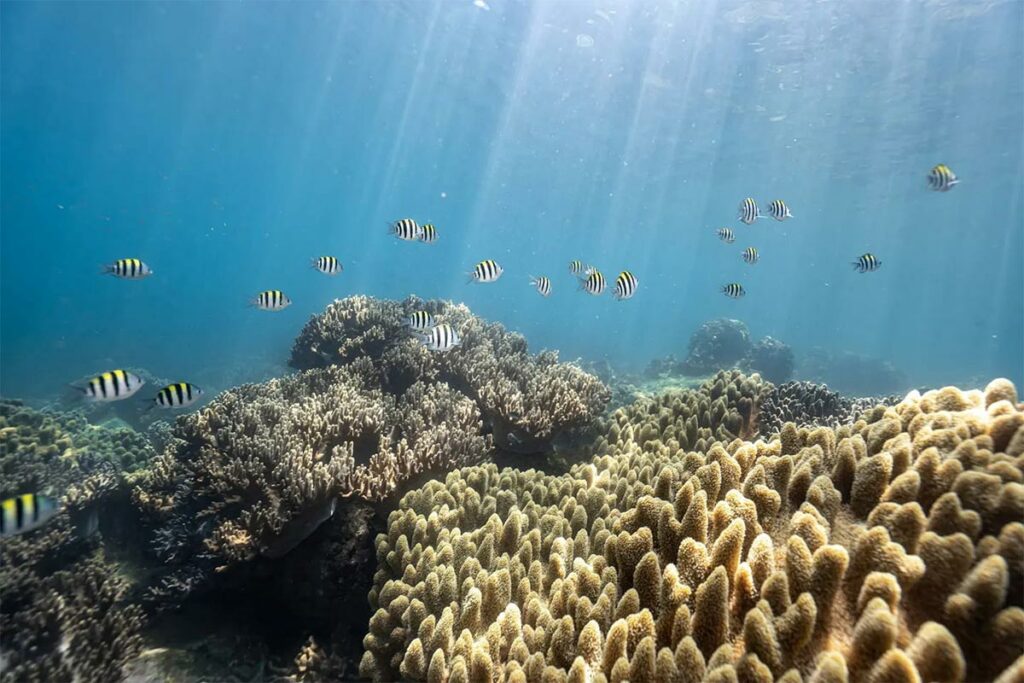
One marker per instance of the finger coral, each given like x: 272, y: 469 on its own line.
x: 664, y: 558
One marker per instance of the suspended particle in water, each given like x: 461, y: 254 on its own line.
x: 583, y: 40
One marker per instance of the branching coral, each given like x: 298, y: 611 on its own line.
x: 811, y: 405
x: 806, y: 557
x: 527, y: 400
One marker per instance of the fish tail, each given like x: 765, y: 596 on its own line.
x: 106, y: 269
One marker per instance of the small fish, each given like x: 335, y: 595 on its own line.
x: 440, y: 338
x: 778, y: 210
x: 625, y: 285
x: 733, y: 290
x: 26, y: 512
x: 178, y: 395
x: 128, y: 268
x: 866, y: 262
x: 428, y: 233
x: 405, y: 229
x: 486, y: 271
x: 111, y: 386
x: 577, y: 267
x: 542, y: 284
x: 420, y: 320
x: 941, y: 178
x: 726, y: 235
x: 750, y: 255
x: 748, y: 211
x: 271, y: 300
x: 328, y: 265
x: 594, y: 283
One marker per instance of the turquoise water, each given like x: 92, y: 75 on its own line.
x: 226, y: 144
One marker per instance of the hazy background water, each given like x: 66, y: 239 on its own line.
x: 228, y: 143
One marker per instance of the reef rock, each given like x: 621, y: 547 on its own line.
x: 770, y: 358
x: 716, y: 345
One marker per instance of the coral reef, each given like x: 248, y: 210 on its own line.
x: 811, y: 405
x: 261, y: 467
x: 889, y: 549
x: 770, y: 358
x: 715, y: 345
x: 527, y: 400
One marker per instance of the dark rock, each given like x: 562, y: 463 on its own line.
x: 771, y: 358
x: 717, y: 344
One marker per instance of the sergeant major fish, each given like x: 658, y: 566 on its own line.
x: 405, y: 229
x: 941, y: 178
x: 26, y: 512
x: 419, y: 320
x: 441, y: 337
x: 625, y: 285
x: 111, y: 386
x: 733, y: 290
x: 778, y: 210
x: 542, y: 285
x: 726, y: 235
x: 179, y: 395
x: 328, y: 265
x: 866, y: 263
x: 486, y: 271
x: 750, y: 255
x: 271, y: 300
x: 428, y: 233
x: 593, y: 283
x: 128, y: 268
x: 748, y: 211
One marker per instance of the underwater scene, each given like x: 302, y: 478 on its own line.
x: 512, y: 341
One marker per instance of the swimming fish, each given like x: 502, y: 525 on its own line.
x: 420, y: 320
x: 486, y: 271
x: 577, y: 267
x: 733, y: 290
x: 941, y: 178
x: 726, y: 235
x: 593, y: 283
x: 428, y: 233
x: 778, y: 210
x: 177, y: 395
x: 748, y: 211
x: 328, y: 265
x: 750, y: 255
x: 866, y: 262
x: 542, y: 284
x: 128, y: 268
x: 441, y: 337
x: 405, y: 229
x: 111, y: 386
x: 271, y: 300
x: 625, y: 285
x: 26, y: 512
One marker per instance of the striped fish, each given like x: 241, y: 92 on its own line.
x: 271, y: 300
x: 866, y: 262
x: 778, y: 210
x: 111, y: 386
x: 593, y: 283
x: 486, y: 271
x: 178, y: 395
x: 542, y: 284
x: 420, y: 320
x: 577, y: 268
x: 750, y: 255
x: 733, y: 290
x: 128, y: 268
x: 328, y: 265
x: 941, y: 178
x: 26, y: 512
x: 428, y: 233
x: 625, y: 285
x: 726, y: 235
x: 405, y: 229
x: 748, y: 211
x: 440, y: 338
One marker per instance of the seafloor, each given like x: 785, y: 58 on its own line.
x: 389, y: 513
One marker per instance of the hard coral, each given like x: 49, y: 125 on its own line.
x: 717, y: 345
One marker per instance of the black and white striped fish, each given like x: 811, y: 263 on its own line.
x: 428, y: 233
x: 271, y: 300
x: 733, y: 290
x: 441, y: 337
x: 542, y: 285
x: 748, y: 211
x: 111, y: 386
x: 179, y: 395
x: 578, y: 268
x: 778, y: 210
x: 625, y: 285
x: 486, y: 271
x: 328, y: 265
x: 866, y: 263
x: 726, y: 235
x: 419, y: 320
x: 750, y: 255
x: 26, y: 512
x: 405, y: 229
x: 593, y: 283
x: 941, y: 178
x: 128, y: 268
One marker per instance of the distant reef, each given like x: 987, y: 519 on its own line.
x: 391, y: 513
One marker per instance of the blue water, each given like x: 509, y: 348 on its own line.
x: 226, y: 144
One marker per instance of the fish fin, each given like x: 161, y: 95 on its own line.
x: 106, y: 269
x: 392, y: 227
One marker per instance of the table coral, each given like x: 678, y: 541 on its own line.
x: 809, y: 556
